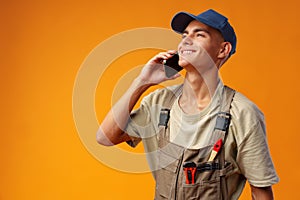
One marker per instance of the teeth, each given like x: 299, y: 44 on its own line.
x: 187, y: 52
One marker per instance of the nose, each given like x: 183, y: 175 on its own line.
x: 187, y: 40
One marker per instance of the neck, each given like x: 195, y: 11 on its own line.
x: 198, y: 90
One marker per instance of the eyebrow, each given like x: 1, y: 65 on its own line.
x: 197, y: 30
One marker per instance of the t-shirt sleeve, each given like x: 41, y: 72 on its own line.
x: 254, y: 157
x: 138, y: 123
x: 143, y: 122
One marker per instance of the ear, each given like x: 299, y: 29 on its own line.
x: 224, y: 50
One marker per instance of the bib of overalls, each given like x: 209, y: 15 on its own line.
x: 209, y: 178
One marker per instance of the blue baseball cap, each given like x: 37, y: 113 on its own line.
x: 211, y: 18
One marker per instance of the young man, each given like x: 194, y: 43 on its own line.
x: 182, y: 127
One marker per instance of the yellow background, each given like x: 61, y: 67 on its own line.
x: 43, y: 44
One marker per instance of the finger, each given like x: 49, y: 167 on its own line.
x: 164, y: 56
x: 175, y: 76
x: 168, y: 53
x: 172, y: 52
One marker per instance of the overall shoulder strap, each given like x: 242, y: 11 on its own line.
x: 224, y: 117
x: 228, y: 95
x: 221, y: 128
x: 167, y: 104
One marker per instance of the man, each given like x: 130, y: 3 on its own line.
x: 181, y: 126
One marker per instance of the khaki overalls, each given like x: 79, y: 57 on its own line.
x: 209, y: 178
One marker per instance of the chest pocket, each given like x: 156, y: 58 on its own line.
x: 208, y: 184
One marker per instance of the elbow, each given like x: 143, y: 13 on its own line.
x: 102, y: 139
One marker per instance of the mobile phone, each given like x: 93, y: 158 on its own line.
x: 171, y: 66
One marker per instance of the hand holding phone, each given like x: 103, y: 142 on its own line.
x: 171, y: 66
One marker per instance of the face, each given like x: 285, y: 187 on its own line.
x: 200, y: 46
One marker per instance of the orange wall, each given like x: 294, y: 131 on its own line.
x: 43, y: 45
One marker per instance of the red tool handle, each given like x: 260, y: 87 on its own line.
x: 190, y: 173
x: 218, y: 145
x: 194, y: 169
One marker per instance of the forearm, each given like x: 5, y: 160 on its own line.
x: 262, y: 193
x: 111, y: 130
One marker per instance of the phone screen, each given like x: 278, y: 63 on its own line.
x: 171, y: 66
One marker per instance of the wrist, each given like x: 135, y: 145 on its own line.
x: 141, y: 84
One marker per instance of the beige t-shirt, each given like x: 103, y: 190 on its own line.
x: 246, y: 144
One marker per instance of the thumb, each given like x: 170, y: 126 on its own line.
x: 175, y: 76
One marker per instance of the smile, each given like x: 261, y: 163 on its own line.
x: 187, y: 52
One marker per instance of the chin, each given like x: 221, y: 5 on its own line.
x: 183, y: 63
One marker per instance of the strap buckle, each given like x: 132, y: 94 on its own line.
x: 164, y: 117
x: 223, y: 121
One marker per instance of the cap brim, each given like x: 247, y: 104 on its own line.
x: 181, y: 20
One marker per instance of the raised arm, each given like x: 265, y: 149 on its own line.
x: 111, y: 130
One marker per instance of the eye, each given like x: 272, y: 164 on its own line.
x: 200, y: 35
x: 183, y: 35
